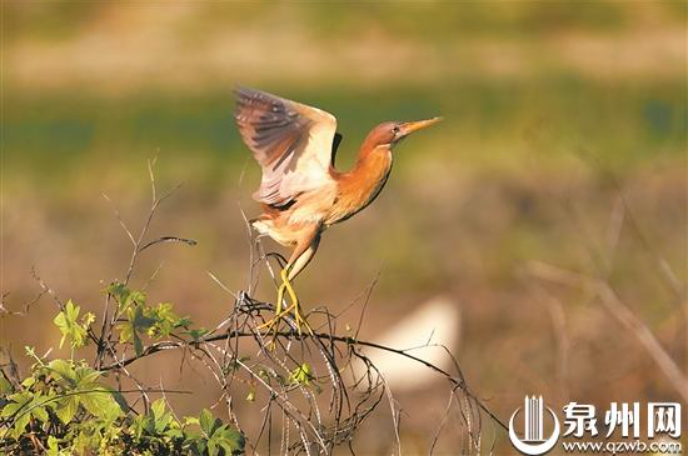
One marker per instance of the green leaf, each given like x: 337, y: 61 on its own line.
x: 301, y: 375
x: 67, y: 407
x: 197, y: 333
x: 86, y: 377
x: 138, y: 344
x: 207, y: 422
x: 126, y: 332
x: 53, y: 446
x: 119, y: 398
x: 64, y: 370
x: 62, y: 324
x: 40, y: 413
x: 87, y: 320
x: 231, y: 441
x: 10, y: 409
x: 98, y: 401
x: 117, y: 290
x: 191, y: 421
x: 140, y: 424
x: 174, y: 433
x: 20, y: 424
x: 19, y: 402
x: 111, y: 412
x: 140, y: 318
x: 161, y: 416
x: 212, y: 447
x: 149, y: 425
x: 5, y: 385
x: 125, y: 297
x: 158, y: 408
x: 19, y: 411
x: 138, y: 322
x: 66, y: 321
x: 165, y: 320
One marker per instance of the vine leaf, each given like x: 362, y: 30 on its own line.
x: 130, y: 330
x: 302, y: 375
x: 219, y: 436
x: 207, y: 422
x: 67, y: 322
x: 124, y: 296
x: 5, y: 386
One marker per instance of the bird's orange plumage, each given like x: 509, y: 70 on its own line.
x: 301, y: 192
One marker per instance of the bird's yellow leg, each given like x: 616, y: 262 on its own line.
x: 295, y: 305
x: 300, y: 320
x: 278, y: 310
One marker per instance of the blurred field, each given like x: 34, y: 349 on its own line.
x: 553, y: 111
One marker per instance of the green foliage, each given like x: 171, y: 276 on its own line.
x: 302, y: 375
x: 161, y: 433
x: 137, y: 322
x: 67, y: 322
x: 5, y: 386
x: 65, y: 407
x: 196, y: 333
x: 143, y: 320
x: 59, y: 396
x: 217, y: 437
x: 125, y: 297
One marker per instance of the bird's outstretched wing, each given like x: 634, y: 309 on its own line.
x: 293, y: 143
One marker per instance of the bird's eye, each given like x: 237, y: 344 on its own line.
x: 395, y: 129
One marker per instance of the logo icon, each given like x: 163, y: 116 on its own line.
x: 532, y: 442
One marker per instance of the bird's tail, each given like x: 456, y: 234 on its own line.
x: 259, y: 225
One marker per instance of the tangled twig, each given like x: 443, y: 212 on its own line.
x: 318, y: 388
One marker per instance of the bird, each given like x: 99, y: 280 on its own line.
x: 301, y: 192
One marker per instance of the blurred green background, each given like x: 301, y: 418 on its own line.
x: 554, y: 111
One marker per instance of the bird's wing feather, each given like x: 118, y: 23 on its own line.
x: 293, y: 143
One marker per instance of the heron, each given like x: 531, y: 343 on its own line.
x: 301, y: 192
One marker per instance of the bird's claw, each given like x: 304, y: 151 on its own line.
x: 299, y: 321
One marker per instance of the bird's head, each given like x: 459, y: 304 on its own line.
x: 392, y: 132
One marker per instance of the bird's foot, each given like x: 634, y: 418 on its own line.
x: 273, y: 323
x: 301, y: 324
x: 299, y: 321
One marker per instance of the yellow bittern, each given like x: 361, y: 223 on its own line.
x: 301, y: 192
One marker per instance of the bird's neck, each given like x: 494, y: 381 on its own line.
x: 358, y: 187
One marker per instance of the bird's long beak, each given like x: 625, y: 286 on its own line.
x: 409, y: 127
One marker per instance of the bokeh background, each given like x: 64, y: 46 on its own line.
x: 564, y: 144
